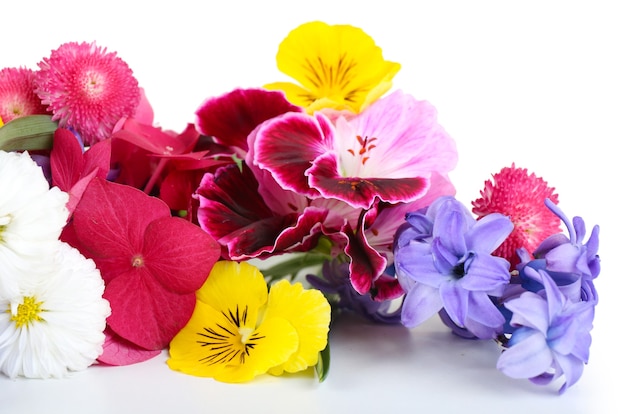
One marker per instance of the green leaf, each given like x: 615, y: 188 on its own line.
x: 323, y: 363
x: 290, y: 267
x: 33, y: 132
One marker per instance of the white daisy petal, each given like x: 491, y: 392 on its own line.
x: 64, y: 330
x: 32, y: 216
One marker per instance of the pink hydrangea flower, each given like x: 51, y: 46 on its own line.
x: 17, y: 94
x: 87, y: 89
x: 520, y: 196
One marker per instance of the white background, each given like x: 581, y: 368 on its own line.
x: 538, y: 83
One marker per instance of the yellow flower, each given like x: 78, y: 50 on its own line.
x: 1, y: 123
x: 337, y: 66
x: 239, y: 331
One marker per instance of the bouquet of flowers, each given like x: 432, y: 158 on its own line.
x: 233, y: 244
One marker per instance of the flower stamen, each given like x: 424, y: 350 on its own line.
x: 27, y: 312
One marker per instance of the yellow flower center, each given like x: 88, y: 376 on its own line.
x: 27, y: 312
x: 4, y: 221
x: 229, y: 343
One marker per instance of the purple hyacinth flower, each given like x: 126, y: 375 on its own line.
x: 551, y: 337
x: 453, y: 268
x: 572, y: 264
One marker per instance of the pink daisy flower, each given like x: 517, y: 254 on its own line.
x: 520, y: 196
x: 17, y: 94
x: 87, y: 89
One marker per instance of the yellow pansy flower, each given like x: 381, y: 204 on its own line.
x: 337, y: 66
x: 239, y: 331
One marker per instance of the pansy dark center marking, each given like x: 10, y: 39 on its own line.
x: 365, y: 146
x: 230, y: 342
x: 331, y: 76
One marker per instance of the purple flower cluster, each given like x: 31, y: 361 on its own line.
x: 542, y: 312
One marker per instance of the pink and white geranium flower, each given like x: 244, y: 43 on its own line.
x: 387, y: 152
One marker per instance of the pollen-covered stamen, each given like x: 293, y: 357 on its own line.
x: 365, y: 146
x: 27, y: 312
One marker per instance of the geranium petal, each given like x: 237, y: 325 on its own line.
x: 361, y: 192
x: 230, y: 118
x: 286, y: 145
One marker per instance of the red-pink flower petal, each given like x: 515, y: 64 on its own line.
x: 145, y: 313
x: 66, y: 159
x: 118, y: 351
x: 152, y: 263
x: 178, y: 254
x: 230, y: 118
x: 72, y: 170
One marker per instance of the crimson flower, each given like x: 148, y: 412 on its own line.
x: 72, y: 169
x: 520, y: 196
x: 151, y: 263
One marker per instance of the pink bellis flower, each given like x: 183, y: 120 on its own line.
x: 87, y: 88
x: 151, y: 263
x: 17, y: 94
x: 520, y: 196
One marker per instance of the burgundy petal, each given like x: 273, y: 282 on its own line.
x: 366, y: 264
x: 286, y: 145
x: 231, y: 117
x: 362, y: 192
x: 234, y: 213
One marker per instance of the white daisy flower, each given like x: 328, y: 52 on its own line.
x: 32, y: 216
x: 56, y: 324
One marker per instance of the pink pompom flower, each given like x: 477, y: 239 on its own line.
x: 17, y: 94
x: 520, y: 196
x: 87, y: 89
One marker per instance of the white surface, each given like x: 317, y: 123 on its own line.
x: 541, y: 84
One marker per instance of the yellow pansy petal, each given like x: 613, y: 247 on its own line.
x: 231, y: 286
x: 340, y: 62
x: 277, y: 341
x: 211, y: 345
x: 309, y: 313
